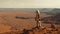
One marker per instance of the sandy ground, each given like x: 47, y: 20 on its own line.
x: 8, y: 21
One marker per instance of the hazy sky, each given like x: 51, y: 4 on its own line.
x: 29, y: 3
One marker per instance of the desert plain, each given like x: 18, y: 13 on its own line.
x: 9, y: 24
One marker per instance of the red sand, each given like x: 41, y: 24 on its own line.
x: 7, y: 20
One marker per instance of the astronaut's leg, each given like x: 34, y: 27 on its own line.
x: 39, y: 23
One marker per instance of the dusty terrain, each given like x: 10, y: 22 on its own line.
x: 7, y: 19
x: 9, y: 24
